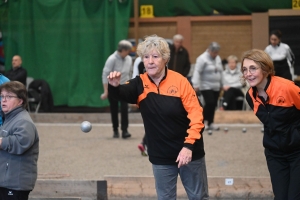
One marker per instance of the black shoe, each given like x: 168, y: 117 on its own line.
x: 125, y: 134
x: 116, y: 134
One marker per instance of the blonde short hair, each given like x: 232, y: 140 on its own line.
x: 151, y: 43
x: 232, y: 57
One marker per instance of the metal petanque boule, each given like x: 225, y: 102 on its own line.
x: 225, y: 129
x: 86, y: 126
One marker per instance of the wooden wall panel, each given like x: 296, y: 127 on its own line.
x: 165, y: 30
x: 260, y: 30
x: 235, y: 37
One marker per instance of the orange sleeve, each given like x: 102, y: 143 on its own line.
x: 294, y: 94
x: 194, y: 112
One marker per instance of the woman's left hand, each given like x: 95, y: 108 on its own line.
x: 184, y: 157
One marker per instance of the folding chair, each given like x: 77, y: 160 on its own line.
x: 33, y: 96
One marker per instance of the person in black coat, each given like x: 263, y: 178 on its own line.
x: 17, y: 72
x: 179, y: 57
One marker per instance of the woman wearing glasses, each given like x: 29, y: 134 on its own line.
x: 276, y: 102
x: 19, y: 144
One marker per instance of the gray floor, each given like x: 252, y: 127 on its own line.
x: 68, y: 153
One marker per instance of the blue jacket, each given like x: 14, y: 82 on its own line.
x: 3, y: 79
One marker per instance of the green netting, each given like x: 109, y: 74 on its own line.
x: 65, y: 42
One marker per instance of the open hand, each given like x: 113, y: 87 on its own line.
x: 114, y: 78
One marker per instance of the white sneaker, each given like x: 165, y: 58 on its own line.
x: 213, y: 127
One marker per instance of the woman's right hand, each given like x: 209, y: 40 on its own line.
x: 114, y: 78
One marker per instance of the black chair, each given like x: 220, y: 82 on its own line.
x: 34, y: 97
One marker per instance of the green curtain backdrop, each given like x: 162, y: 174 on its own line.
x: 65, y: 42
x: 170, y: 8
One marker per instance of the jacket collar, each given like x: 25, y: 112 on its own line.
x: 166, y: 72
x: 254, y: 89
x: 173, y: 48
x: 236, y: 70
x: 13, y: 112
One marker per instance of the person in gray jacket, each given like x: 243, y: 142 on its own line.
x: 122, y: 62
x: 207, y: 79
x: 19, y: 144
x: 232, y: 85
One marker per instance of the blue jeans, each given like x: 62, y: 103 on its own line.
x: 193, y: 177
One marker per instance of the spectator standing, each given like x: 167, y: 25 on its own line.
x: 232, y: 85
x: 17, y: 72
x: 282, y: 56
x: 207, y: 78
x: 122, y: 62
x: 19, y: 144
x: 276, y: 102
x: 179, y: 57
x: 173, y: 121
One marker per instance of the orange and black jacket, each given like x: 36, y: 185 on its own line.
x: 171, y: 112
x: 280, y: 114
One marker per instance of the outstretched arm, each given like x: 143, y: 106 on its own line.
x: 114, y: 78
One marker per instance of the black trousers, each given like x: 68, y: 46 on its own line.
x: 8, y: 194
x: 114, y: 111
x: 230, y: 98
x: 211, y: 100
x: 285, y: 174
x: 282, y: 69
x: 144, y: 141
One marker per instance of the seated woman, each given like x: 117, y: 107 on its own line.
x: 232, y: 85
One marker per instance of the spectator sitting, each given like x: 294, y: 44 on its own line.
x: 231, y: 84
x: 17, y: 72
